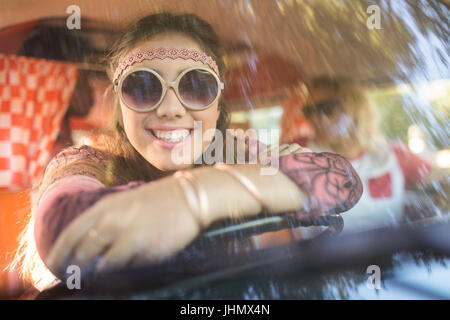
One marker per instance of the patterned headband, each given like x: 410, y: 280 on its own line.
x: 163, y: 53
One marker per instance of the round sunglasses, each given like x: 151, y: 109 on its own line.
x: 143, y: 89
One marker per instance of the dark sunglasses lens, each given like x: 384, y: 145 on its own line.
x: 308, y: 110
x: 141, y: 89
x: 325, y: 107
x: 198, y: 88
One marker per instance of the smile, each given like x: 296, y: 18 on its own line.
x: 169, y: 138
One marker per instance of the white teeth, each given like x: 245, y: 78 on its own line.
x: 171, y: 135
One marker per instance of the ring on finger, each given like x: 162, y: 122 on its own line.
x: 93, y: 234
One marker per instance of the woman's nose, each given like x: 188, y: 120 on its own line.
x: 170, y: 107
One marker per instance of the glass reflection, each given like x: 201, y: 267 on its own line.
x: 391, y: 119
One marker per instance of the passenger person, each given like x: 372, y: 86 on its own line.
x: 345, y: 122
x: 60, y: 44
x: 127, y: 201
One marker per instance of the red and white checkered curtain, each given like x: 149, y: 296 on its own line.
x: 34, y: 96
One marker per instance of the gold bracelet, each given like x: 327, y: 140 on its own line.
x: 195, y: 195
x: 246, y: 183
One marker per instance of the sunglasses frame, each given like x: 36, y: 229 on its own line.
x: 165, y: 84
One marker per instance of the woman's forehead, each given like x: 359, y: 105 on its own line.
x: 168, y: 68
x: 171, y: 40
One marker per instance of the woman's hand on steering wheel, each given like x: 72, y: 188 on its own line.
x: 143, y: 224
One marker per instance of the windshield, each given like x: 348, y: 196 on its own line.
x: 366, y: 80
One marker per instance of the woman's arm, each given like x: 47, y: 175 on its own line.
x: 230, y: 198
x: 153, y: 221
x: 62, y: 202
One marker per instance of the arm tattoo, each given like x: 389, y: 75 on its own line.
x: 330, y: 182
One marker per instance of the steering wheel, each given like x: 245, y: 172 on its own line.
x: 235, y: 233
x: 212, y: 240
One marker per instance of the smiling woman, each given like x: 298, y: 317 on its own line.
x: 119, y: 203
